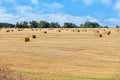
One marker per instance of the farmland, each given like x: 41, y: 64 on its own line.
x: 62, y: 54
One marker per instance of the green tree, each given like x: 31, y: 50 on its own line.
x: 81, y: 25
x: 17, y: 25
x: 57, y: 25
x: 43, y: 24
x: 69, y: 25
x: 54, y: 25
x: 117, y: 26
x: 24, y: 24
x: 91, y: 25
x: 105, y: 27
x: 33, y: 24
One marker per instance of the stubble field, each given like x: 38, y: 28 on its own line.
x: 64, y: 55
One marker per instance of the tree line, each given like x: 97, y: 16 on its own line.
x: 45, y: 24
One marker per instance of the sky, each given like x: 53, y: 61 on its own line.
x: 105, y: 12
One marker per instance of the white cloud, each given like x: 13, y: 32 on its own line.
x: 26, y: 13
x: 88, y: 2
x: 108, y: 2
x: 2, y: 10
x: 24, y: 9
x: 117, y: 5
x: 8, y: 1
x: 53, y: 7
x: 112, y: 21
x: 9, y: 18
x: 61, y: 18
x: 34, y: 2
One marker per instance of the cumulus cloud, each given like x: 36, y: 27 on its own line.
x: 61, y: 18
x: 108, y: 2
x: 112, y: 21
x: 25, y: 14
x: 34, y: 2
x: 88, y: 2
x: 24, y: 9
x: 117, y: 5
x: 6, y: 17
x: 53, y: 7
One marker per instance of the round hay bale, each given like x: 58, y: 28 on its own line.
x: 7, y: 30
x: 36, y: 29
x: 45, y: 32
x: 58, y: 30
x: 107, y: 32
x: 72, y: 30
x: 26, y: 39
x: 32, y: 36
x: 32, y: 29
x: 98, y: 35
x: 12, y: 30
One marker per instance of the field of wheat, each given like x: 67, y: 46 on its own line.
x: 61, y: 54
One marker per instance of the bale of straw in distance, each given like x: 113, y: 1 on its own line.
x: 25, y: 39
x: 77, y: 30
x: 98, y: 35
x: 32, y: 36
x: 45, y: 32
x: 7, y: 30
x: 58, y: 30
x: 107, y: 32
x: 12, y: 30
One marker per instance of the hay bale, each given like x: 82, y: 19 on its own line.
x: 95, y: 31
x: 45, y: 32
x: 20, y: 30
x: 7, y: 30
x: 26, y: 39
x: 58, y: 30
x: 77, y: 30
x: 107, y: 32
x: 12, y: 30
x: 72, y: 30
x: 36, y: 29
x: 98, y: 35
x: 32, y: 36
x: 32, y: 29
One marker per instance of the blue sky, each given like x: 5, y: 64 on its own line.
x: 105, y: 12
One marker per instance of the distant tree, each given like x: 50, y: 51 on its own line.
x: 57, y: 25
x: 54, y: 25
x: 117, y: 26
x: 17, y: 25
x: 106, y: 27
x: 43, y: 24
x: 81, y: 25
x: 24, y: 24
x: 69, y: 25
x: 91, y: 25
x: 33, y: 24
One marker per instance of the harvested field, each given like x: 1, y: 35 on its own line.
x: 64, y: 55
